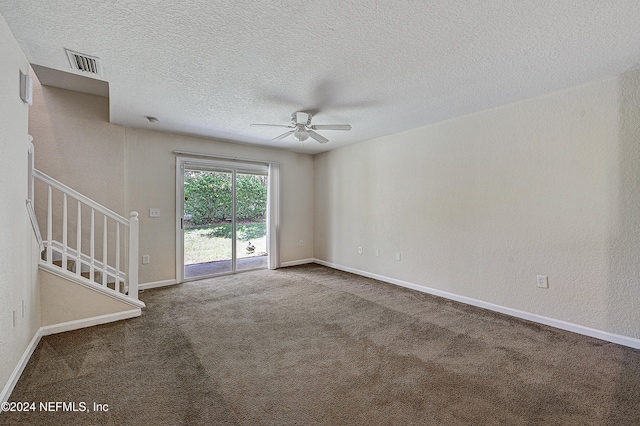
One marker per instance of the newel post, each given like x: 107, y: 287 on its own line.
x: 134, y: 248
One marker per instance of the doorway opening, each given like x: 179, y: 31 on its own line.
x: 223, y: 218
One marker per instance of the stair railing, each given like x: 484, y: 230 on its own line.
x: 114, y: 262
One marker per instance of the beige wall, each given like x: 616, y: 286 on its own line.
x: 131, y: 169
x: 479, y: 205
x: 62, y: 301
x: 151, y: 182
x: 76, y: 144
x: 18, y: 251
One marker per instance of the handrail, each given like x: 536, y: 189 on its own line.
x: 78, y: 196
x: 34, y: 224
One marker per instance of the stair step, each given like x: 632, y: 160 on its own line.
x: 96, y: 276
x: 111, y: 285
x: 70, y: 264
x: 98, y: 280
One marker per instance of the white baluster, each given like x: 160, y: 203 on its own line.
x: 134, y: 248
x: 117, y: 285
x: 64, y: 232
x: 104, y: 252
x: 92, y: 249
x: 79, y: 240
x: 49, y: 225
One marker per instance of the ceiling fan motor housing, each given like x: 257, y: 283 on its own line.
x: 299, y: 117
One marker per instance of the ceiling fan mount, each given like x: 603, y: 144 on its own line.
x: 302, y: 128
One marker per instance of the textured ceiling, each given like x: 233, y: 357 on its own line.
x: 211, y: 68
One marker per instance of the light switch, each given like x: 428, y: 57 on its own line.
x: 26, y: 88
x: 542, y: 281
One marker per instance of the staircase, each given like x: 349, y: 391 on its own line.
x: 85, y: 242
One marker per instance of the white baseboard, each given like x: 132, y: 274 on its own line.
x: 297, y: 262
x: 89, y: 322
x: 563, y: 325
x: 155, y: 284
x: 22, y: 363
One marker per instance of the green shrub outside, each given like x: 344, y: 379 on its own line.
x: 205, y: 209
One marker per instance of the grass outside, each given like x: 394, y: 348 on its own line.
x: 213, y: 242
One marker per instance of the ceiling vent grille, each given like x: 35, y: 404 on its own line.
x: 84, y: 63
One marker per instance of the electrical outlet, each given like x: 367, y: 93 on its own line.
x: 145, y: 259
x: 300, y: 243
x: 360, y: 250
x: 542, y: 281
x: 154, y: 212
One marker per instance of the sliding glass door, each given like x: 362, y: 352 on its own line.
x: 223, y: 218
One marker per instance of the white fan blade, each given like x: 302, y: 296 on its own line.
x: 317, y: 137
x: 282, y: 136
x: 271, y: 125
x: 331, y: 127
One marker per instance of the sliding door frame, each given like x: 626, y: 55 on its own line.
x: 259, y: 168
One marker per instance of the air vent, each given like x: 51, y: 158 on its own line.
x: 84, y: 63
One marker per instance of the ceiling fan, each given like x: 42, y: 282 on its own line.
x: 302, y: 128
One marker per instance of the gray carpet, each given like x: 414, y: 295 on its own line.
x: 311, y: 345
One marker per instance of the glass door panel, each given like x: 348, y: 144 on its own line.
x: 251, y: 221
x: 208, y: 222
